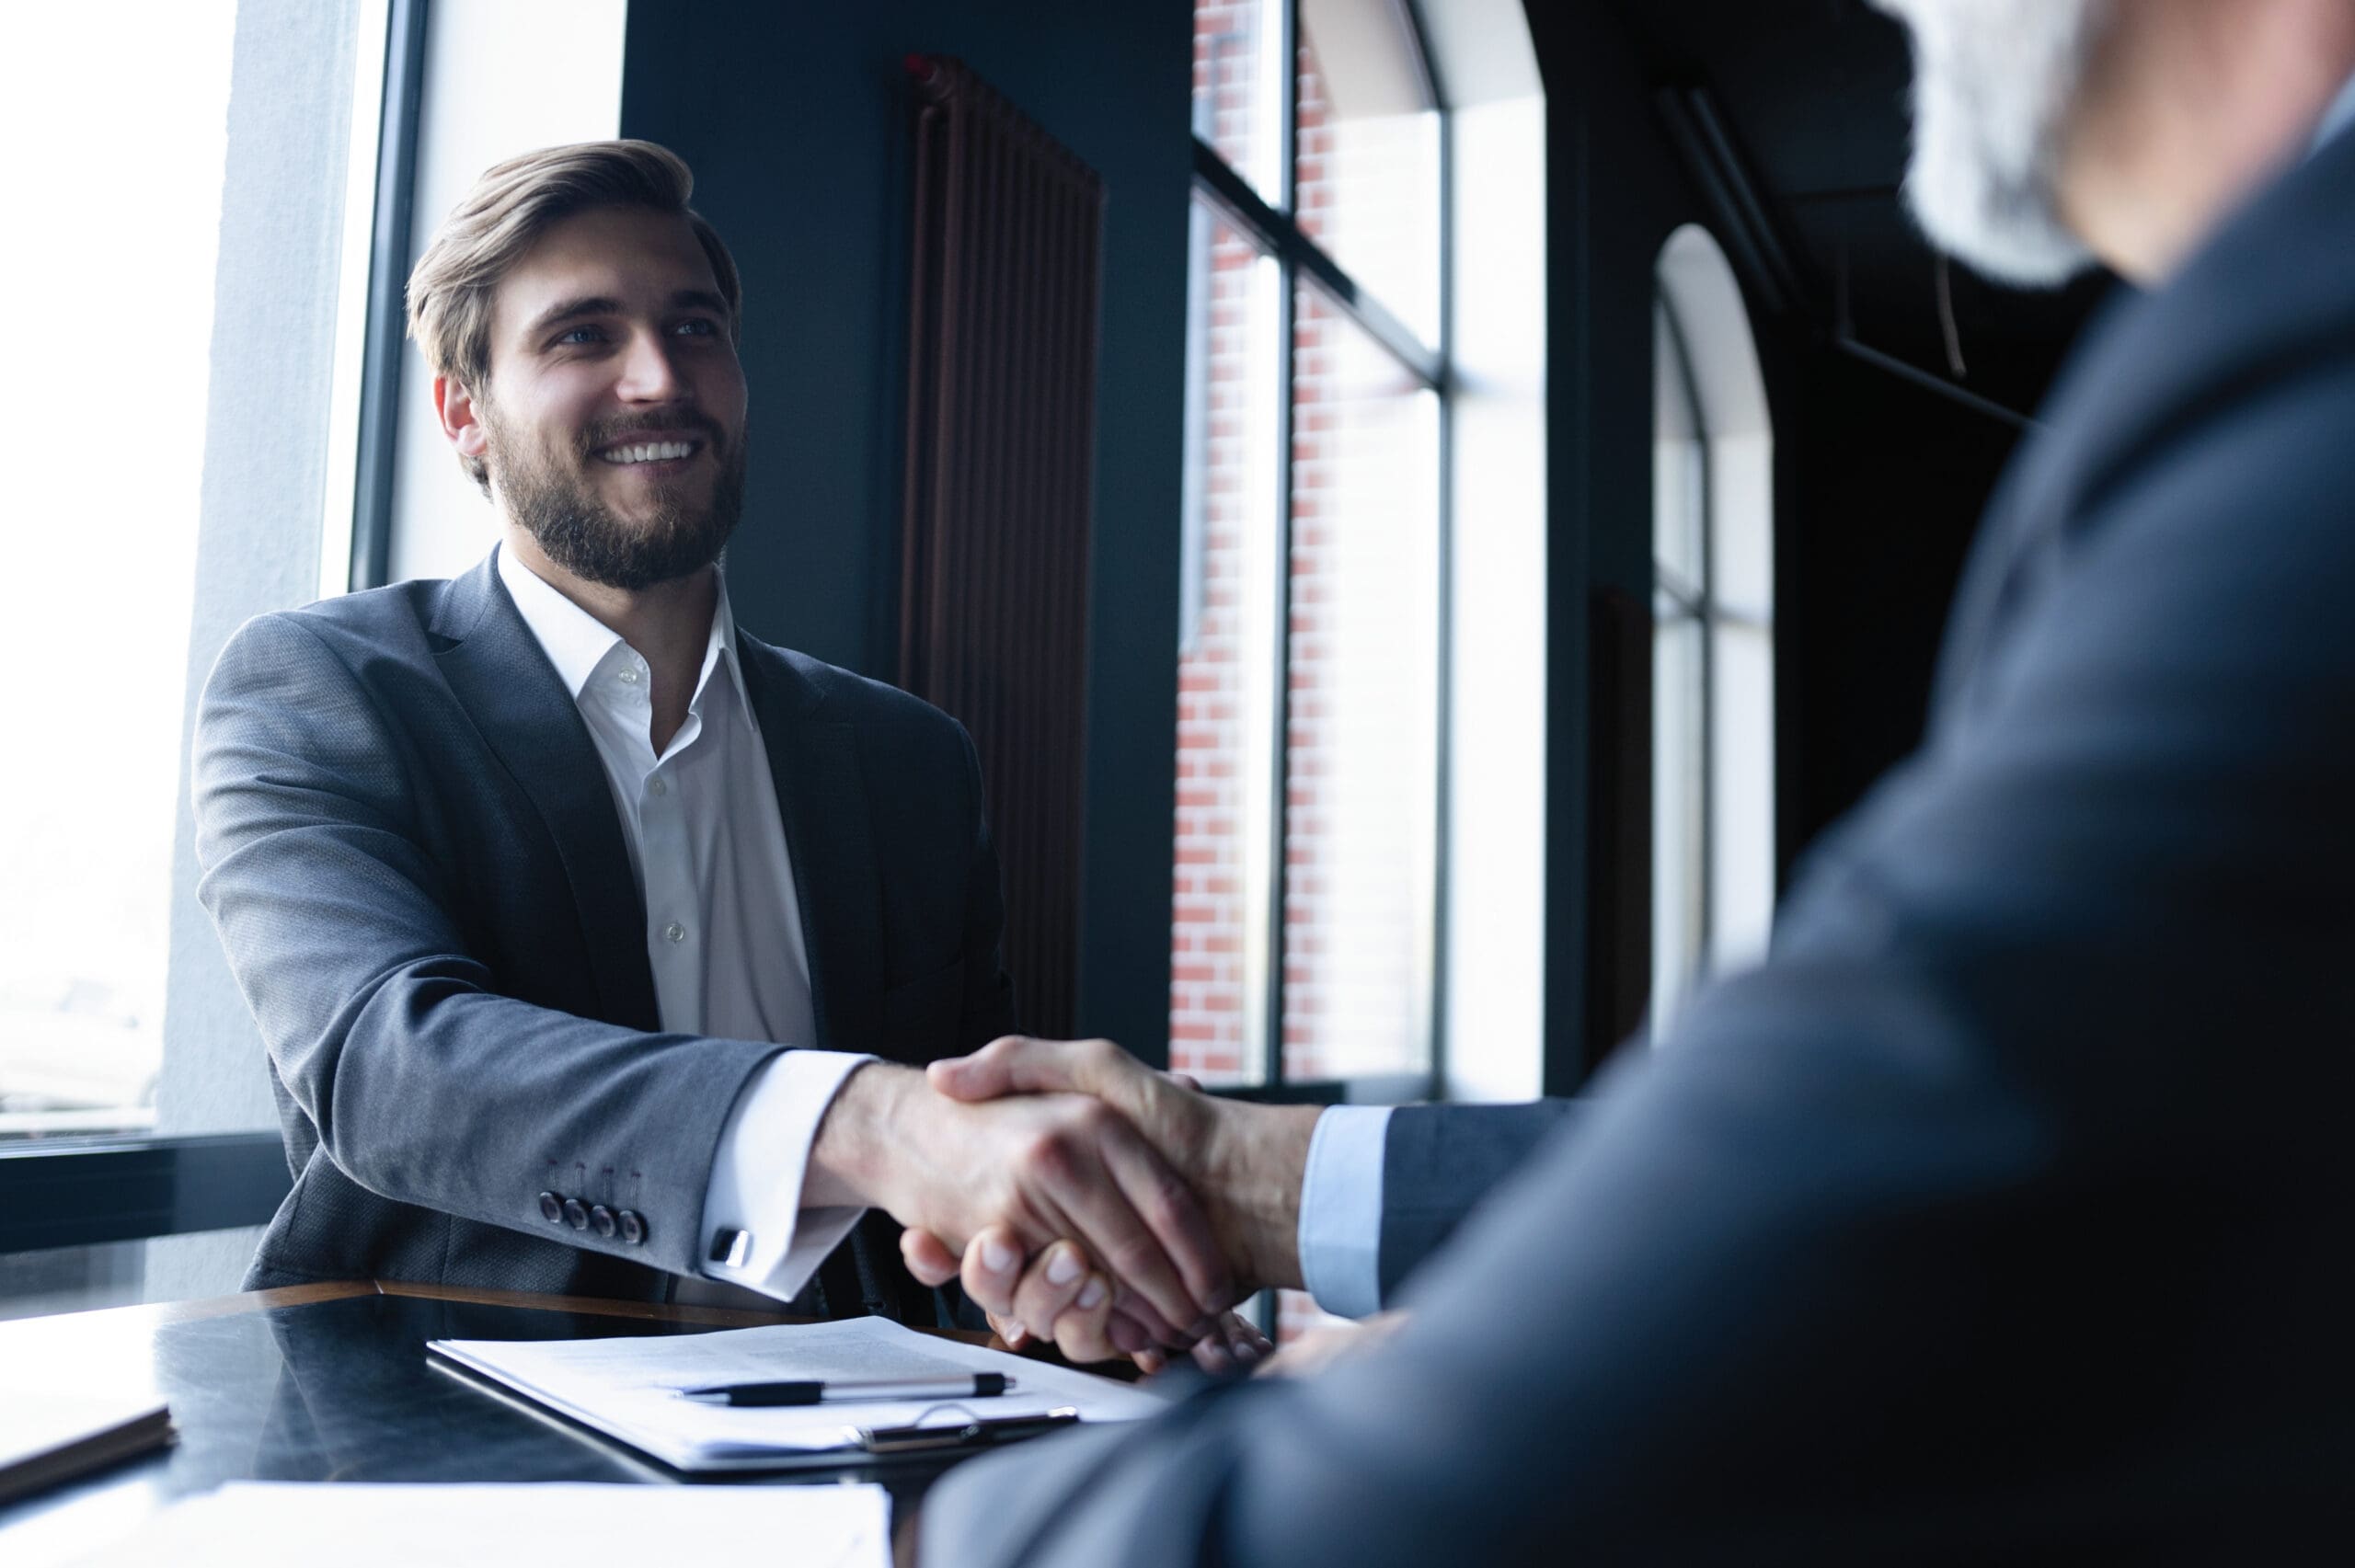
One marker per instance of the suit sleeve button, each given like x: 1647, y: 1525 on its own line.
x: 601, y: 1220
x: 576, y: 1214
x: 633, y: 1226
x: 552, y: 1208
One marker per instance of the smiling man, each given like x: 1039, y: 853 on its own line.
x: 592, y: 939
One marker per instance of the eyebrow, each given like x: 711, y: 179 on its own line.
x: 602, y: 305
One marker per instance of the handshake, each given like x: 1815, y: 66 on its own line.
x: 1081, y: 1197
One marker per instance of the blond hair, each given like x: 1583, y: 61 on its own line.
x: 509, y: 209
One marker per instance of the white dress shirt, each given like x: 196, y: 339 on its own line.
x: 723, y: 922
x: 707, y: 845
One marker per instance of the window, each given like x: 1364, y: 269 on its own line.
x: 111, y: 504
x: 1713, y: 648
x: 1309, y: 674
x: 219, y: 317
x: 191, y: 249
x: 1309, y: 702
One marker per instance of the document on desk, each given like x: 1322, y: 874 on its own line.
x: 294, y: 1524
x: 630, y: 1388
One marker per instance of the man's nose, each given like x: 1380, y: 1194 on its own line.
x: 647, y: 374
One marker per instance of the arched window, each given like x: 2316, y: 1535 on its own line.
x: 1713, y: 648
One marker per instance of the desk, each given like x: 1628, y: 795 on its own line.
x: 330, y: 1382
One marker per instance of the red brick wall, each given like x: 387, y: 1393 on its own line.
x: 1208, y: 996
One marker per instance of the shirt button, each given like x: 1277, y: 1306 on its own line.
x: 675, y: 932
x: 659, y: 787
x: 629, y: 677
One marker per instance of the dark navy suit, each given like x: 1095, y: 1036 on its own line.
x: 2007, y: 1213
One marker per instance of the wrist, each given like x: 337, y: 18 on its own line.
x: 851, y: 1163
x: 1256, y: 1158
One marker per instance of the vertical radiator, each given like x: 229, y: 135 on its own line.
x: 1000, y: 457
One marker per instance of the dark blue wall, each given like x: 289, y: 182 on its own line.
x: 795, y: 119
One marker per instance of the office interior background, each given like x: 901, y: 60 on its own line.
x: 1530, y: 456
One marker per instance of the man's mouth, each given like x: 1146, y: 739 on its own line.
x: 627, y: 453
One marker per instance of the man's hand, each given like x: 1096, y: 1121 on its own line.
x: 1331, y: 1343
x: 1076, y: 1313
x: 1029, y: 1171
x: 1244, y: 1162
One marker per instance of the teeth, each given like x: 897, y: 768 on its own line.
x: 652, y: 451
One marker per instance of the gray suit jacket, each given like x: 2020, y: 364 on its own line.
x: 2001, y: 1216
x: 413, y: 858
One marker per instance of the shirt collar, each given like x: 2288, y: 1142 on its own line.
x: 577, y: 642
x: 2336, y: 118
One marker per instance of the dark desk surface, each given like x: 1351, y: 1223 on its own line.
x: 330, y: 1382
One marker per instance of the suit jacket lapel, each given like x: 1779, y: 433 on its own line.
x: 815, y: 766
x: 499, y: 674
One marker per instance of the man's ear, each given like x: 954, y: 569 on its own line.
x: 461, y: 420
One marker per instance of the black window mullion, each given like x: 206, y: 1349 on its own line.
x: 1443, y: 740
x: 85, y: 1192
x: 380, y: 374
x: 1278, y: 862
x: 1280, y: 235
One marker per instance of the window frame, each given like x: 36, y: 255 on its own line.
x: 82, y: 1190
x: 1707, y: 379
x: 1276, y: 233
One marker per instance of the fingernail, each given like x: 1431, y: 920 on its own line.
x: 1064, y: 1267
x: 1217, y: 1358
x: 1092, y: 1293
x: 1247, y: 1351
x: 996, y: 1256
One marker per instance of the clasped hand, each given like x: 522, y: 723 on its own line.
x: 1062, y: 1182
x: 1224, y: 1176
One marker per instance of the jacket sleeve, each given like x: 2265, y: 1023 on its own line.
x: 2000, y: 1191
x: 424, y: 1083
x: 1439, y: 1162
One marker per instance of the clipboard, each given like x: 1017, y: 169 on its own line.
x: 620, y: 1395
x: 874, y: 1445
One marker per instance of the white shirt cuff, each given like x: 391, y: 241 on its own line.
x: 756, y: 1174
x: 1340, y: 1211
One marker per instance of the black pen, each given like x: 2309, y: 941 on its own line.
x: 866, y: 1390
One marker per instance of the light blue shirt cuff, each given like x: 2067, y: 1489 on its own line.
x: 1340, y: 1211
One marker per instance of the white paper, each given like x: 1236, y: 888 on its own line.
x: 289, y: 1524
x: 631, y: 1387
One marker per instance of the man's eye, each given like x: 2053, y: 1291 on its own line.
x: 582, y: 335
x: 696, y: 327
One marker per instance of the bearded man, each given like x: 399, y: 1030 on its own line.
x: 593, y: 940
x: 2001, y: 1215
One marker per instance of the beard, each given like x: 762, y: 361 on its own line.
x: 549, y: 495
x: 1992, y: 81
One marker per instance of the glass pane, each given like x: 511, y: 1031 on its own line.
x: 86, y: 856
x: 1226, y: 668
x: 1742, y: 894
x: 1368, y: 152
x: 1361, y: 761
x: 1238, y: 88
x: 1742, y: 529
x: 1679, y: 486
x: 1679, y: 801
